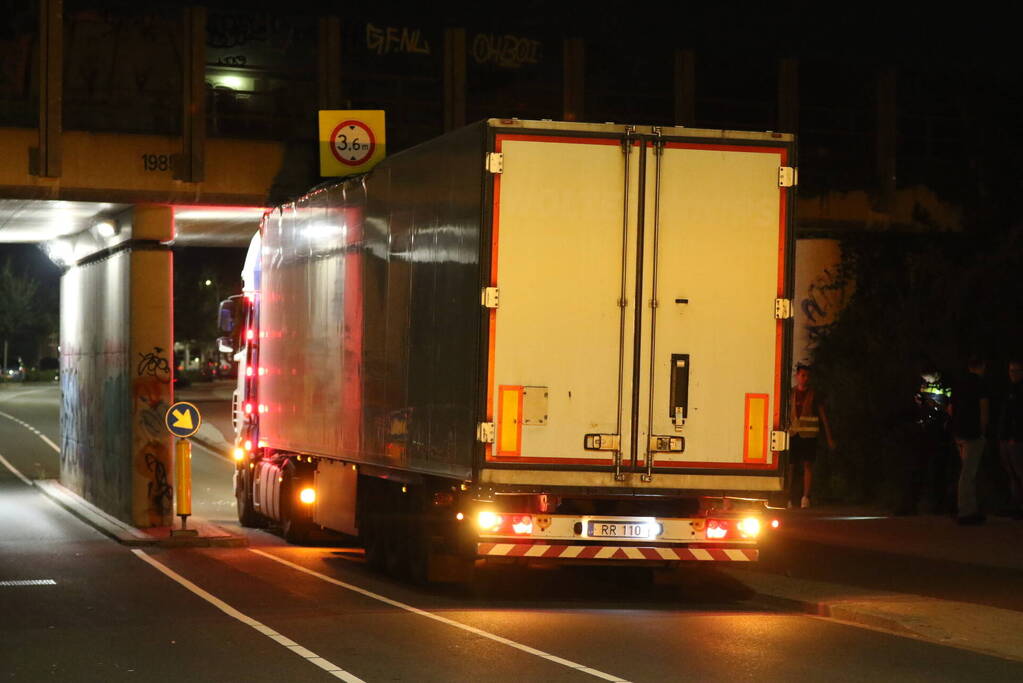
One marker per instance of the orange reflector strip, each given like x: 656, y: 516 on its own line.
x: 754, y: 447
x: 509, y: 420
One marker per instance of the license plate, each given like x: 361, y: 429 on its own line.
x: 611, y: 529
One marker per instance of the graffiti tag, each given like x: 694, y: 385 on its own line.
x: 508, y: 52
x: 153, y: 363
x: 391, y: 40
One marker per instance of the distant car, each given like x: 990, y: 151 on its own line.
x: 14, y: 373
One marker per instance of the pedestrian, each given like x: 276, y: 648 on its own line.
x: 1010, y: 436
x: 927, y: 458
x: 806, y: 417
x: 970, y: 407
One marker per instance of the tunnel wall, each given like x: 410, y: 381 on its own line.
x: 95, y: 383
x: 116, y: 358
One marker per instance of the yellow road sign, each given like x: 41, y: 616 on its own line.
x: 351, y: 141
x: 183, y: 419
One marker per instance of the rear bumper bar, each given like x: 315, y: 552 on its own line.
x: 615, y: 552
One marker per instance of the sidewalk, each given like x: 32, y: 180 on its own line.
x: 929, y: 553
x: 207, y: 534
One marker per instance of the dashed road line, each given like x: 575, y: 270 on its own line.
x: 14, y: 470
x: 32, y: 429
x: 297, y: 649
x: 444, y: 620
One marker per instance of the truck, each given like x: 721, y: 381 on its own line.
x: 525, y: 342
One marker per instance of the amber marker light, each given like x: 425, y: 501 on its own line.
x: 307, y: 496
x: 749, y: 527
x: 459, y: 516
x: 239, y: 454
x: 488, y: 521
x: 775, y: 524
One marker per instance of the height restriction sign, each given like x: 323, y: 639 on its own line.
x: 351, y: 141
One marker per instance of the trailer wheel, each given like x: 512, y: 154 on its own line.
x: 395, y: 541
x: 295, y: 524
x: 247, y: 514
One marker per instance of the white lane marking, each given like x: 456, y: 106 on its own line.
x: 14, y: 469
x: 7, y: 397
x: 32, y: 429
x: 311, y: 657
x: 214, y: 453
x: 444, y: 620
x: 28, y: 582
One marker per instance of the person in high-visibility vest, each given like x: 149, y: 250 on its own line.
x: 806, y: 418
x: 928, y: 459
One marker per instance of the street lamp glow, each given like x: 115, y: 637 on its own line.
x: 209, y: 282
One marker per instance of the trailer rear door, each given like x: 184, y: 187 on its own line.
x: 556, y: 336
x: 581, y: 380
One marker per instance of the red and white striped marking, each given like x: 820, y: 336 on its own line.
x: 615, y: 552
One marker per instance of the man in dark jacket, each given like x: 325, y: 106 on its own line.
x: 970, y: 409
x: 1010, y: 436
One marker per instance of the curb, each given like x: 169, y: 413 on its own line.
x: 967, y: 626
x: 835, y: 610
x: 127, y: 535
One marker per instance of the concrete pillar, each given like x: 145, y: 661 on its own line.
x: 685, y: 88
x: 48, y: 155
x: 329, y: 72
x: 788, y: 95
x: 887, y: 132
x: 152, y: 353
x: 116, y: 355
x: 454, y: 78
x: 192, y: 165
x: 574, y: 95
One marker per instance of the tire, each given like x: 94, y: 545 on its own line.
x: 295, y: 525
x: 247, y: 515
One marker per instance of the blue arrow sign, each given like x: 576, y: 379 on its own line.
x: 183, y: 419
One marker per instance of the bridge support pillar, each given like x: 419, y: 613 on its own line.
x: 116, y: 373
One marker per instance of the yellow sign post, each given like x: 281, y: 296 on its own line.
x: 351, y: 141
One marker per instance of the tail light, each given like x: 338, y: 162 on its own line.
x: 504, y: 523
x: 747, y: 528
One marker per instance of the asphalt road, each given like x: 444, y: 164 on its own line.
x: 275, y: 612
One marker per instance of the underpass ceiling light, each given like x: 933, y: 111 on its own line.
x: 218, y: 213
x: 106, y: 229
x: 61, y: 252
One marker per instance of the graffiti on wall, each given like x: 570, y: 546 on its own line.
x: 507, y: 51
x: 152, y: 457
x: 823, y: 288
x: 825, y: 296
x: 389, y: 40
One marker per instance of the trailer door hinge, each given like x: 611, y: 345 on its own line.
x: 788, y: 176
x: 495, y: 162
x: 779, y: 441
x: 485, y: 432
x: 490, y: 297
x: 783, y: 309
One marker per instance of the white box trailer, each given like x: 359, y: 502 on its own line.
x: 529, y: 339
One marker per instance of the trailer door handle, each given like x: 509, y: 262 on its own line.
x: 681, y: 301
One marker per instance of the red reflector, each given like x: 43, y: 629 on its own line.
x: 250, y: 334
x: 248, y: 407
x: 248, y: 371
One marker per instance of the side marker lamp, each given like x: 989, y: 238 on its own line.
x: 239, y: 454
x: 775, y: 524
x: 489, y: 521
x: 749, y: 527
x: 307, y: 496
